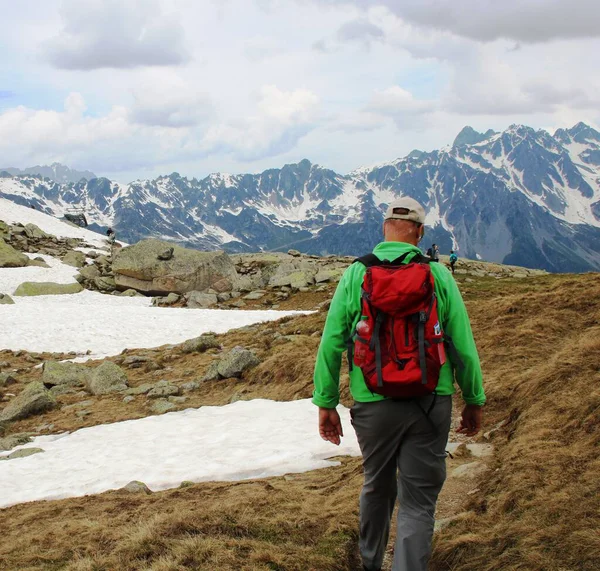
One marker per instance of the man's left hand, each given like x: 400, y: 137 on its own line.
x: 330, y: 425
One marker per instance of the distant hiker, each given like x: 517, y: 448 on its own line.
x: 111, y: 235
x: 453, y: 260
x: 405, y: 348
x: 435, y: 253
x: 429, y: 253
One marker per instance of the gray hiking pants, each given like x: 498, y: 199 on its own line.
x: 402, y: 455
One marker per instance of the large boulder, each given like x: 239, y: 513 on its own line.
x: 107, y: 378
x: 236, y: 361
x: 65, y: 373
x: 33, y: 231
x: 11, y: 258
x: 198, y: 300
x: 33, y: 399
x: 139, y: 267
x: 74, y: 258
x: 47, y: 288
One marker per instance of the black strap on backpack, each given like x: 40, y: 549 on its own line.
x: 372, y: 260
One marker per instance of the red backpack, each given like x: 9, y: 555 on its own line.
x: 399, y: 342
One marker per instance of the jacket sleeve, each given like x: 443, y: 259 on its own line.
x: 463, y: 355
x: 333, y: 344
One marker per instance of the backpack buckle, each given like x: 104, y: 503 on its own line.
x: 422, y: 317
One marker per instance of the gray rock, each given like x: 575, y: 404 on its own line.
x: 136, y: 487
x: 90, y: 272
x: 33, y: 231
x: 74, y: 258
x: 190, y: 386
x: 128, y: 399
x: 294, y: 253
x: 5, y: 299
x: 200, y: 344
x: 65, y: 373
x: 212, y: 373
x: 105, y: 283
x: 188, y: 270
x: 33, y: 399
x: 22, y: 453
x: 13, y: 440
x: 471, y: 470
x: 236, y: 361
x: 161, y: 406
x: 199, y: 300
x: 47, y: 288
x: 11, y: 258
x: 258, y: 294
x: 328, y: 275
x: 38, y: 262
x: 222, y: 297
x: 62, y: 390
x: 107, y: 378
x: 142, y: 389
x: 163, y: 389
x: 135, y: 361
x: 7, y: 379
x: 131, y: 293
x: 166, y: 255
x: 165, y: 301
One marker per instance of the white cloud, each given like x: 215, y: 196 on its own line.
x: 280, y: 120
x: 527, y: 21
x: 167, y: 100
x: 144, y: 136
x: 359, y: 30
x: 116, y: 34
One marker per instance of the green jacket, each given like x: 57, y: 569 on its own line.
x: 345, y: 311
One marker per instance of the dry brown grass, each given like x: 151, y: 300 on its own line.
x: 305, y: 522
x: 539, y: 510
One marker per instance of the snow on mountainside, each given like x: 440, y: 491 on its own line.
x: 521, y: 196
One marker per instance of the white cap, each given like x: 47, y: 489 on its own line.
x: 405, y: 208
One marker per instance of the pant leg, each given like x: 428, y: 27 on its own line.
x: 422, y: 471
x: 378, y: 427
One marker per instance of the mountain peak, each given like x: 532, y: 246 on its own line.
x: 56, y: 172
x: 469, y: 136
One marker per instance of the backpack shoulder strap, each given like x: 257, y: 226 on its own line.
x: 372, y: 260
x: 369, y: 260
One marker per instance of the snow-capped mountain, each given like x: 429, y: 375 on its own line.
x: 55, y: 172
x: 521, y: 196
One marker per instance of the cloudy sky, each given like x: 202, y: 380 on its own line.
x: 137, y: 88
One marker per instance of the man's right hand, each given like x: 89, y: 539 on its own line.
x: 330, y: 425
x: 470, y: 423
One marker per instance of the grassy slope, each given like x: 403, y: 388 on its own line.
x: 540, y: 509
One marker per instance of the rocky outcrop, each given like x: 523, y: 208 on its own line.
x: 56, y: 373
x: 5, y: 299
x: 107, y: 378
x: 143, y: 267
x: 200, y: 344
x: 11, y: 258
x: 74, y: 258
x: 47, y: 288
x: 35, y: 398
x: 231, y: 364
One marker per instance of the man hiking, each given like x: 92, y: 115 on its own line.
x: 453, y: 260
x: 402, y: 439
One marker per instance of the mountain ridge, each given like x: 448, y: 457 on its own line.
x: 522, y: 196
